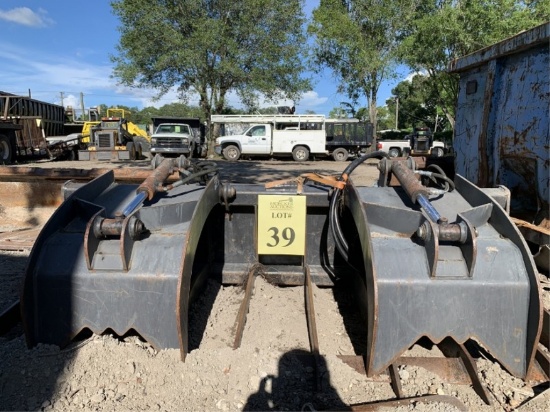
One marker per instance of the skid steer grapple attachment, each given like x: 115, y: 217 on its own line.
x: 424, y: 262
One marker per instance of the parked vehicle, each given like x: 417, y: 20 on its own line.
x: 347, y: 137
x: 8, y: 138
x: 298, y: 136
x: 25, y: 124
x: 177, y: 136
x: 116, y: 138
x: 419, y: 143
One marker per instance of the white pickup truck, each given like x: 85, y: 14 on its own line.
x: 398, y: 148
x: 265, y: 139
x: 293, y: 135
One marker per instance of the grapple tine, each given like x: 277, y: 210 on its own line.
x: 240, y: 322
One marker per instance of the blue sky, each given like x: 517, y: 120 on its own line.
x: 64, y: 46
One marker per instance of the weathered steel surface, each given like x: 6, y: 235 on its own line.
x: 19, y: 239
x: 36, y: 187
x: 156, y: 179
x: 131, y: 284
x: 25, y: 174
x: 30, y: 194
x: 502, y: 126
x: 488, y: 292
x: 234, y: 240
x: 52, y: 115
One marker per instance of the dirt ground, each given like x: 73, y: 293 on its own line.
x: 267, y: 372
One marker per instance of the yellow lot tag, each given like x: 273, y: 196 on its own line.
x: 281, y: 225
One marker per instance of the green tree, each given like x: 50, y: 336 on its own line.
x: 337, y: 113
x: 418, y: 104
x: 357, y: 40
x: 211, y: 47
x: 444, y: 30
x: 385, y: 119
x: 171, y: 109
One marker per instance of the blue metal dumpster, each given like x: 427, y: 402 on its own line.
x: 502, y: 129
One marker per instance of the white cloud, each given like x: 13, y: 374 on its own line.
x: 23, y: 69
x: 412, y: 74
x: 311, y: 100
x: 47, y: 75
x: 27, y: 17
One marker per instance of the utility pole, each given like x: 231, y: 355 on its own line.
x: 82, y: 105
x: 397, y: 113
x: 61, y: 93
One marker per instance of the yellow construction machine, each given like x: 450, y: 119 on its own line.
x: 115, y: 137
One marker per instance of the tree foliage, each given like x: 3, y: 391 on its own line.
x: 385, y: 119
x: 443, y: 30
x: 357, y: 40
x: 212, y: 48
x: 418, y: 104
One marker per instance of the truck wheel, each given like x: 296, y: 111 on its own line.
x: 6, y: 153
x: 340, y: 155
x: 437, y: 152
x: 394, y: 152
x: 145, y: 146
x: 139, y: 151
x: 231, y: 153
x: 131, y: 150
x: 72, y: 155
x: 300, y: 154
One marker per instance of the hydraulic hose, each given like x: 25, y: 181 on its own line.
x: 334, y: 221
x: 188, y: 179
x: 449, y: 184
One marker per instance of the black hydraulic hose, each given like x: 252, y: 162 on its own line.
x: 205, y: 163
x: 194, y: 175
x: 449, y: 184
x: 334, y: 221
x: 205, y: 171
x: 437, y: 169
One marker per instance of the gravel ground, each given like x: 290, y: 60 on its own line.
x: 267, y: 372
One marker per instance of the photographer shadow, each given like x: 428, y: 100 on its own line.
x: 303, y: 383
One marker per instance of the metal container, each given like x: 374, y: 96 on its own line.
x: 502, y: 128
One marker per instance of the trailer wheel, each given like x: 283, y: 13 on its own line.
x: 300, y: 154
x: 394, y: 152
x: 340, y: 155
x: 6, y: 152
x: 231, y: 153
x: 131, y: 150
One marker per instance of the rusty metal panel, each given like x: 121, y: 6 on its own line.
x: 502, y: 128
x: 52, y: 115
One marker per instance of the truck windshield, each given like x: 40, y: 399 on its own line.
x: 173, y: 128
